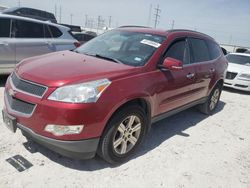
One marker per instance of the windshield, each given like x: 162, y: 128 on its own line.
x: 130, y: 48
x: 238, y: 59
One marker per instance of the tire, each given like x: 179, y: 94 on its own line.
x: 124, y: 133
x: 210, y: 105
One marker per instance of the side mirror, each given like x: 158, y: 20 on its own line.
x: 171, y: 64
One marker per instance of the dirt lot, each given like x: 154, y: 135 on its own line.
x: 185, y: 150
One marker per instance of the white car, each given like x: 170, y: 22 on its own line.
x: 22, y: 37
x: 238, y: 73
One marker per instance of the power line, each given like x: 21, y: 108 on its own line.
x: 157, y: 15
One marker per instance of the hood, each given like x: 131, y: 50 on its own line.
x: 60, y: 68
x: 233, y: 67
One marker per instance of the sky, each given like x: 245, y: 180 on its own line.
x: 228, y: 21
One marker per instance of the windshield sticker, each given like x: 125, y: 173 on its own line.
x: 137, y: 59
x: 150, y: 43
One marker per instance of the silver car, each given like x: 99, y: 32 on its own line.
x: 25, y: 37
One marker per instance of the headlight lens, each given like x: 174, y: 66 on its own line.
x: 80, y: 93
x: 246, y: 76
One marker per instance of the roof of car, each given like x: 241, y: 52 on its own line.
x: 162, y: 32
x: 32, y: 20
x: 244, y: 54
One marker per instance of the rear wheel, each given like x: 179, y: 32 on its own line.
x: 209, y: 106
x: 123, y: 134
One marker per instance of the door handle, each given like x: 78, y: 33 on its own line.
x: 4, y: 43
x: 190, y: 75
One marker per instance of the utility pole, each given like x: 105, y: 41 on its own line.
x: 71, y: 17
x: 56, y: 11
x: 60, y: 14
x: 19, y: 3
x: 110, y: 17
x: 172, y: 27
x: 86, y: 20
x: 157, y: 15
x: 149, y: 16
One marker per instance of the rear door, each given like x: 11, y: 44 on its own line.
x: 7, y: 47
x: 29, y: 38
x: 204, y: 66
x: 176, y: 86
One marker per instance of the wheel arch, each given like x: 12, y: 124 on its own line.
x: 142, y: 102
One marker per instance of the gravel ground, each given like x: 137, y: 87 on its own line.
x: 185, y: 150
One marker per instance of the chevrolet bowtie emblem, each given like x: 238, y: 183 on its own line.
x: 12, y: 92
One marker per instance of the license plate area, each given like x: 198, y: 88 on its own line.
x: 9, y: 121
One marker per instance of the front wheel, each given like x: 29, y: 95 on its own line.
x: 123, y: 134
x: 209, y: 106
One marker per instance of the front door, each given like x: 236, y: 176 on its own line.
x: 176, y: 86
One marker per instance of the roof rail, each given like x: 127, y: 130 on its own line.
x: 133, y: 26
x: 188, y: 30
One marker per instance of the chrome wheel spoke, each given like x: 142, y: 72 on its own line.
x: 136, y: 127
x: 131, y: 121
x: 124, y: 147
x: 132, y: 140
x: 118, y: 142
x: 121, y: 128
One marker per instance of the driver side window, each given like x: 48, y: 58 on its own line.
x: 179, y: 50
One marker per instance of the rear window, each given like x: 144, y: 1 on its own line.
x: 214, y: 50
x: 55, y: 31
x: 200, y: 50
x: 4, y: 27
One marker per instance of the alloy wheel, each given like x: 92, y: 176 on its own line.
x: 127, y: 134
x: 214, y: 99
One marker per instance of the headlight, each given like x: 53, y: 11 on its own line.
x: 80, y: 93
x: 246, y: 76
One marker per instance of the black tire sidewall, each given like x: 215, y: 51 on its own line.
x: 107, y: 149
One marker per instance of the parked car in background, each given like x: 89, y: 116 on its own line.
x: 82, y: 37
x: 238, y: 73
x: 22, y: 37
x: 91, y: 33
x: 31, y: 13
x: 106, y: 93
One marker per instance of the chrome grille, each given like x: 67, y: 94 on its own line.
x: 27, y: 87
x: 231, y: 75
x: 19, y: 105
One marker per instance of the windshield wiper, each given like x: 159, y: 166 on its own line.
x: 108, y: 58
x: 104, y: 57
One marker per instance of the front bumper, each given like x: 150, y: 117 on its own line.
x: 80, y: 149
x: 236, y: 83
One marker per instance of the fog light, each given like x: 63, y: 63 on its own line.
x: 60, y: 130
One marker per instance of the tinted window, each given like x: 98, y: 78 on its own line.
x: 179, y: 50
x: 55, y: 31
x: 24, y: 29
x: 214, y: 49
x: 4, y: 27
x: 200, y: 50
x: 47, y: 33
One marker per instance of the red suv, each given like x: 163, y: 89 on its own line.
x: 102, y: 97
